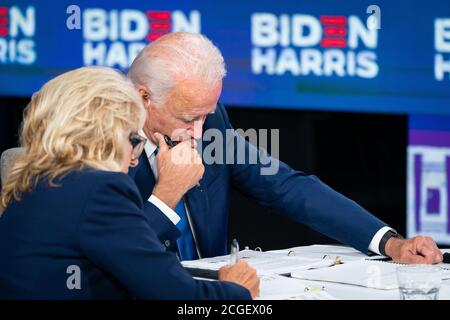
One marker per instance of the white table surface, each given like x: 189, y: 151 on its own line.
x: 350, y: 292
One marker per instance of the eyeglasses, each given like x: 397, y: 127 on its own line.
x: 138, y: 142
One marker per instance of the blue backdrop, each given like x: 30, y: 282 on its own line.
x: 284, y: 54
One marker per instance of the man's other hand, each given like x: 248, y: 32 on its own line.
x: 417, y: 250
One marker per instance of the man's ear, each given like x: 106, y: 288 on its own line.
x: 144, y: 94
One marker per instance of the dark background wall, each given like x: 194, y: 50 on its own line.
x: 11, y: 110
x: 362, y: 156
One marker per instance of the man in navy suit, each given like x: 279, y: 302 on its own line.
x: 179, y: 77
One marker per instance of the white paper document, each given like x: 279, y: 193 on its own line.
x: 318, y: 251
x: 276, y: 287
x: 366, y: 273
x: 264, y: 262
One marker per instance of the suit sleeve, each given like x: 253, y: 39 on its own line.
x: 301, y: 197
x: 115, y: 234
x: 161, y: 224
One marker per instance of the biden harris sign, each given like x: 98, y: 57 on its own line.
x: 392, y: 56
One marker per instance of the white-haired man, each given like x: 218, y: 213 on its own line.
x: 179, y: 77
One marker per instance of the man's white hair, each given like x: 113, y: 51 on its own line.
x: 176, y: 57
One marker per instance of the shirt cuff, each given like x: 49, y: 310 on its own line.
x: 165, y: 209
x: 375, y: 243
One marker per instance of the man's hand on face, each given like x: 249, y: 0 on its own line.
x: 179, y: 169
x: 415, y: 250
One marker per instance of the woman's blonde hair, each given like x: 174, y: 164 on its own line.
x: 78, y: 119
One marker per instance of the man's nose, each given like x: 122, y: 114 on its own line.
x: 196, y: 130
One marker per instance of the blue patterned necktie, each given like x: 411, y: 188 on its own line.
x: 185, y: 242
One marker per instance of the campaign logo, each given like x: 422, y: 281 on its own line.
x: 303, y: 45
x: 114, y: 37
x: 17, y: 29
x: 442, y: 47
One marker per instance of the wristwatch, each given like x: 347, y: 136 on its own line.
x: 389, y: 234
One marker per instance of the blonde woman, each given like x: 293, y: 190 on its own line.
x: 72, y: 225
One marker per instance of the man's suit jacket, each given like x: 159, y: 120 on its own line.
x: 92, y: 221
x: 300, y: 197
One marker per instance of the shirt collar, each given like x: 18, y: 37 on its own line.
x: 149, y: 146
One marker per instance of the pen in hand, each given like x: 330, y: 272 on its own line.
x: 169, y: 141
x: 234, y: 252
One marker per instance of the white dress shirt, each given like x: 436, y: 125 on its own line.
x: 375, y: 243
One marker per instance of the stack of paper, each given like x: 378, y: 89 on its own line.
x: 275, y: 287
x: 265, y: 263
x: 318, y: 251
x: 366, y: 273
